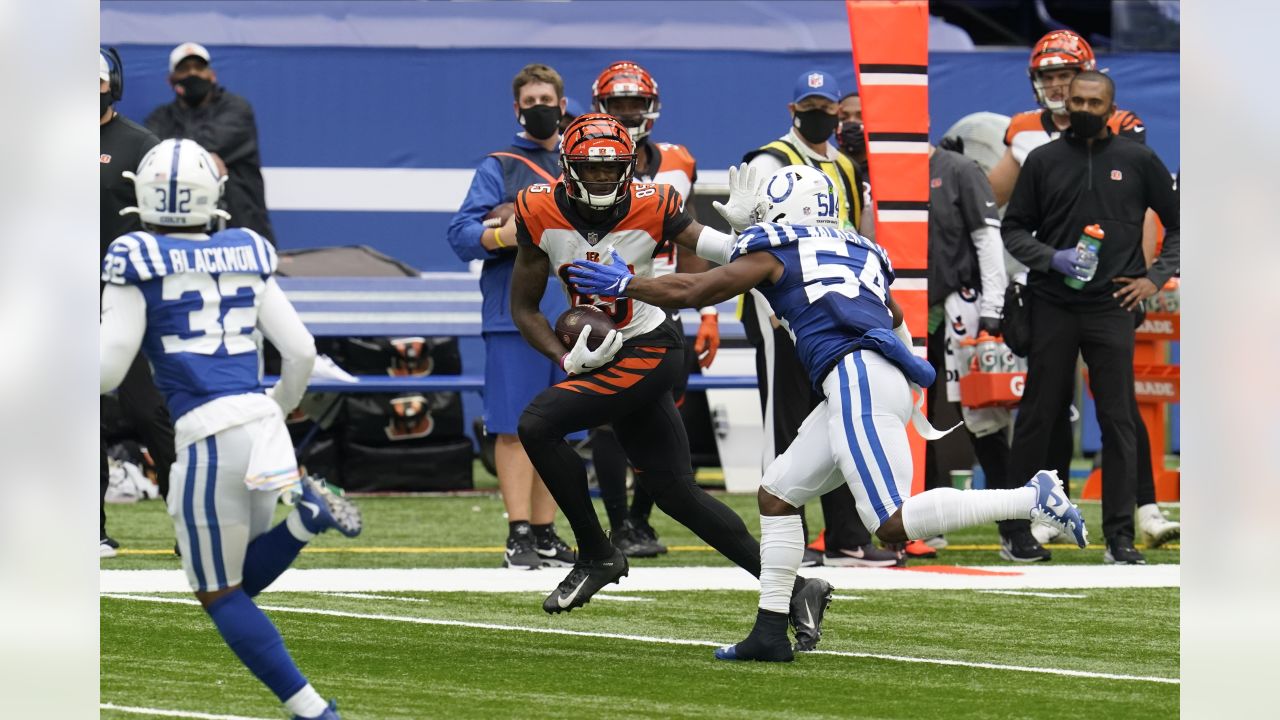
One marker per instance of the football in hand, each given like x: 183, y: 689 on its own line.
x: 569, y: 326
x: 499, y: 216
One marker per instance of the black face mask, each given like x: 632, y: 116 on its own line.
x: 1085, y: 124
x: 815, y: 126
x: 195, y: 89
x: 104, y: 102
x: 541, y: 121
x: 852, y: 140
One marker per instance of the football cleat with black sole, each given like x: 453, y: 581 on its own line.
x: 584, y: 580
x: 808, y: 606
x: 553, y: 551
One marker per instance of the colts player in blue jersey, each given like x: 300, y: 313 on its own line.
x: 830, y: 288
x: 193, y: 302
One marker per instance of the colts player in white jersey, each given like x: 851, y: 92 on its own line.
x: 193, y: 302
x: 597, y: 211
x: 830, y: 288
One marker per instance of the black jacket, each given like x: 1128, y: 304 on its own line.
x: 224, y: 126
x: 121, y: 145
x: 1067, y: 184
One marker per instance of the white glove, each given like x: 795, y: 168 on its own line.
x: 744, y: 191
x: 581, y: 360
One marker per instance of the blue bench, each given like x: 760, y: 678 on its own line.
x: 434, y: 305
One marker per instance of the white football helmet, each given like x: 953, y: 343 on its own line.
x: 798, y: 195
x: 177, y: 185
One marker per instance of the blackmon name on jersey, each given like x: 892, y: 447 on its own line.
x: 638, y: 230
x: 202, y: 297
x: 832, y: 290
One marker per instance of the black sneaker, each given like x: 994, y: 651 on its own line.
x: 1120, y: 551
x: 766, y: 643
x: 521, y: 554
x: 808, y: 606
x: 866, y: 556
x: 635, y: 542
x: 1021, y: 546
x: 646, y: 533
x: 552, y: 550
x: 811, y: 558
x: 584, y: 580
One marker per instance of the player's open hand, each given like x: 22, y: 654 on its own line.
x: 582, y: 359
x: 1133, y: 291
x: 593, y: 278
x: 744, y: 192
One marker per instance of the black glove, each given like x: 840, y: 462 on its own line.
x: 989, y: 325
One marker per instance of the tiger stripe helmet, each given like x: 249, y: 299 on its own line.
x: 627, y: 79
x: 1058, y: 49
x: 597, y: 138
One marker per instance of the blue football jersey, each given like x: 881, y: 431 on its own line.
x: 832, y: 289
x: 202, y: 309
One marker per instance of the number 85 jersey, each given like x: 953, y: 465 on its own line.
x: 831, y: 292
x: 639, y: 227
x: 202, y: 295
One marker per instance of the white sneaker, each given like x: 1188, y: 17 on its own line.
x: 1156, y: 529
x: 1045, y: 534
x: 106, y: 549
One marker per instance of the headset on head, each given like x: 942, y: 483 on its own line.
x: 115, y: 73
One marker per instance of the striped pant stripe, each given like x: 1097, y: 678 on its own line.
x: 864, y: 472
x: 210, y: 511
x: 189, y: 515
x: 869, y: 427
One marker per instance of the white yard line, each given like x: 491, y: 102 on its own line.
x: 1032, y: 594
x: 644, y: 579
x: 847, y: 597
x: 369, y: 596
x: 620, y: 598
x: 651, y: 639
x: 158, y: 712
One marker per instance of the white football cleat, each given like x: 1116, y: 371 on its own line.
x: 1156, y: 529
x: 1045, y: 534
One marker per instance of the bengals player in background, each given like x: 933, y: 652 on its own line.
x: 593, y: 211
x: 1055, y: 60
x: 628, y: 92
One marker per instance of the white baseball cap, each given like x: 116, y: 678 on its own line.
x: 186, y: 50
x: 104, y: 70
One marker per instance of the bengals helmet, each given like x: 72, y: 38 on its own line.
x: 596, y: 138
x: 1058, y: 49
x: 624, y: 80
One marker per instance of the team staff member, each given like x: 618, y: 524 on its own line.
x: 1089, y: 176
x: 1055, y: 60
x: 626, y: 381
x: 222, y: 122
x: 785, y: 391
x: 967, y: 281
x: 514, y: 372
x: 628, y: 92
x: 122, y: 144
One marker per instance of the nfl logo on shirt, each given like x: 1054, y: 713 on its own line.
x: 1116, y: 175
x: 815, y: 80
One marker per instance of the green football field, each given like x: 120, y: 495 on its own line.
x: 1090, y: 652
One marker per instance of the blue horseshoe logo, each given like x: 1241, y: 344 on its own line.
x: 791, y: 184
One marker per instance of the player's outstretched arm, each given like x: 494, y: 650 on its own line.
x: 124, y: 320
x: 680, y: 289
x: 528, y: 284
x: 280, y: 324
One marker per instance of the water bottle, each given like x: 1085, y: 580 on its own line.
x: 988, y: 354
x: 1087, y: 248
x: 1008, y: 361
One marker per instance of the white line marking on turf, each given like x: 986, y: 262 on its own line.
x: 650, y: 639
x: 1051, y: 578
x: 158, y: 712
x: 847, y: 597
x: 620, y: 598
x: 370, y: 596
x: 1032, y: 594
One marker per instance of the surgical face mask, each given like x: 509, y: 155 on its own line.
x: 541, y: 121
x: 194, y: 88
x: 1085, y: 124
x: 815, y: 126
x: 104, y: 102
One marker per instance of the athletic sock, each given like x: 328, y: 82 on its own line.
x: 542, y: 533
x: 641, y: 504
x: 306, y: 703
x: 708, y: 518
x: 942, y: 510
x: 257, y: 643
x: 517, y: 528
x: 768, y: 639
x: 272, y: 552
x: 781, y: 550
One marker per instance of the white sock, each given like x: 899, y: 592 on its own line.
x: 942, y: 510
x: 306, y: 703
x: 296, y: 528
x: 781, y: 550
